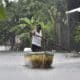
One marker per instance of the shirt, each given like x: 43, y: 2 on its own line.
x: 36, y: 39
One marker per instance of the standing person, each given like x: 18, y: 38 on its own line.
x: 36, y: 38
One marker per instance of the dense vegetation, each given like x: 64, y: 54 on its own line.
x: 19, y: 18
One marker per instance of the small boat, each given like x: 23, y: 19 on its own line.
x: 39, y: 59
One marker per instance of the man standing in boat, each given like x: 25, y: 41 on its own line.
x: 36, y: 38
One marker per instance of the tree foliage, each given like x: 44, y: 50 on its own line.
x: 2, y: 11
x: 25, y: 14
x: 77, y: 34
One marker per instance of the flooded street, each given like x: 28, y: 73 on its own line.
x: 12, y: 68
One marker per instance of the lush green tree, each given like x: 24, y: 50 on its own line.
x: 2, y: 11
x: 25, y: 14
x: 76, y: 38
x: 38, y: 12
x: 77, y: 34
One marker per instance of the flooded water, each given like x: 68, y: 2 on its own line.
x: 12, y: 68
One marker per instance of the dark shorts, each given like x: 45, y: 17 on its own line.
x: 35, y: 48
